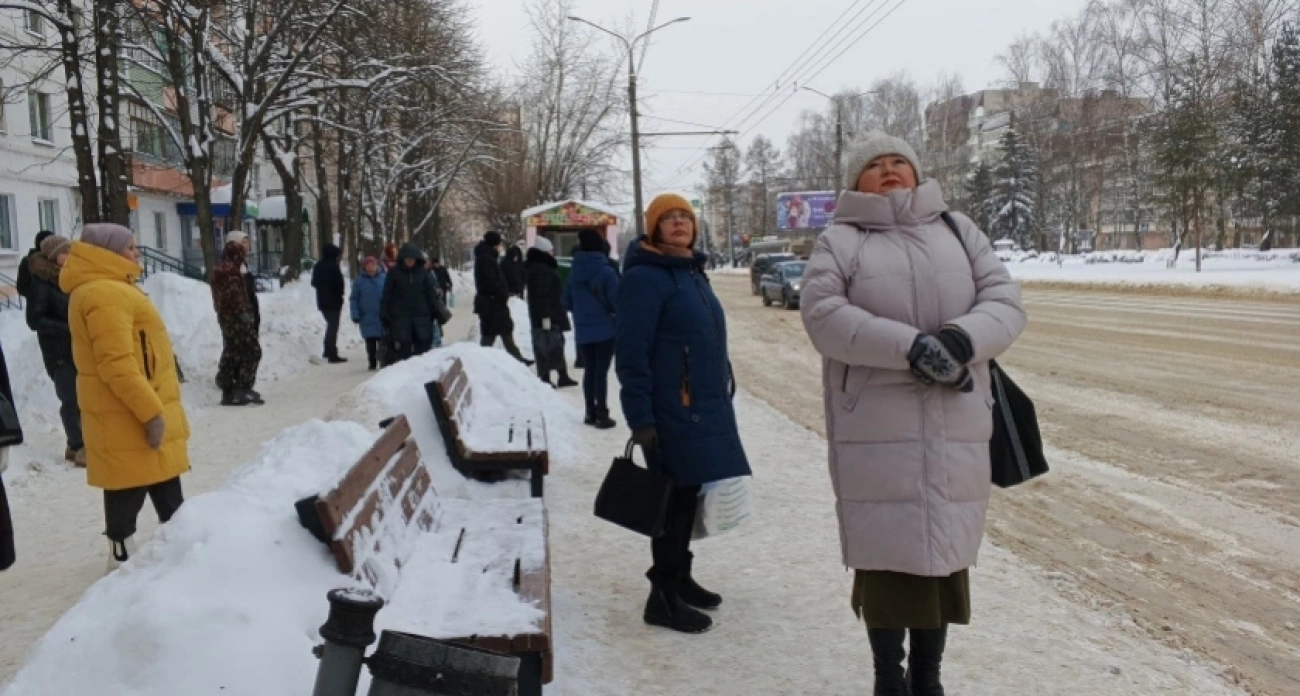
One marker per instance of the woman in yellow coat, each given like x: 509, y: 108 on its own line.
x: 133, y: 421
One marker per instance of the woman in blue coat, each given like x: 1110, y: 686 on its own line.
x: 589, y: 296
x: 677, y: 386
x: 365, y: 302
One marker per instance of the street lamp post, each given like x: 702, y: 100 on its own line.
x: 630, y: 45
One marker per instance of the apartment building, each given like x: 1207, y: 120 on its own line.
x: 38, y: 175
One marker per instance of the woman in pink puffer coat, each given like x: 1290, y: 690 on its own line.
x: 907, y: 317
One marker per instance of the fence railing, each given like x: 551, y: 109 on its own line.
x: 154, y: 261
x: 9, y: 297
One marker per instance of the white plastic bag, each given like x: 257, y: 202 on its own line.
x: 724, y: 505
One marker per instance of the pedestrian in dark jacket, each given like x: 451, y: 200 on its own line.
x: 442, y: 275
x: 7, y: 555
x: 515, y: 272
x: 410, y: 304
x: 47, y: 315
x: 590, y: 295
x: 241, y: 350
x: 24, y: 280
x: 492, y: 297
x: 443, y: 278
x: 366, y: 304
x: 327, y: 278
x: 671, y: 358
x: 607, y: 250
x: 546, y: 313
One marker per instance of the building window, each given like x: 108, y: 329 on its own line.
x: 7, y: 221
x: 49, y: 214
x: 148, y: 138
x: 34, y: 22
x: 160, y: 231
x: 38, y: 107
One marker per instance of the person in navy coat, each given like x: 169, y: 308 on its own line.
x: 589, y: 295
x: 677, y: 385
x: 366, y: 303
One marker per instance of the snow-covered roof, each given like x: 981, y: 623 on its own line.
x: 221, y: 195
x: 996, y: 121
x: 602, y: 207
x: 272, y: 208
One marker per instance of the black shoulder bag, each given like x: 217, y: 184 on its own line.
x: 1016, y: 450
x: 633, y: 497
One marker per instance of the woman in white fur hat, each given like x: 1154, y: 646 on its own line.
x: 907, y: 304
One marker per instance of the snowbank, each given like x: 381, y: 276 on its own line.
x: 499, y: 382
x: 231, y: 581
x: 228, y: 597
x: 1274, y: 271
x: 34, y: 398
x: 292, y: 328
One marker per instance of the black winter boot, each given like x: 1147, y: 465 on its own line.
x: 887, y: 659
x: 691, y: 592
x: 590, y: 418
x: 602, y: 420
x: 253, y: 397
x: 924, y: 661
x: 565, y: 381
x: 233, y: 397
x: 665, y: 608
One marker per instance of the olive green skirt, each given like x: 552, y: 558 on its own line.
x: 885, y: 599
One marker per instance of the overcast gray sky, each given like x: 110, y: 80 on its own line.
x: 740, y: 47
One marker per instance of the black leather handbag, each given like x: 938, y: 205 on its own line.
x: 11, y: 432
x: 634, y: 497
x: 1016, y: 450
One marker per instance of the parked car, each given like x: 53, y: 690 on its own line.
x: 761, y: 264
x: 782, y: 284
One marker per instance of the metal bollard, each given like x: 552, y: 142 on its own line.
x: 348, y: 631
x: 405, y: 664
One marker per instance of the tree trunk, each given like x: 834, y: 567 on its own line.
x: 112, y: 163
x: 79, y: 115
x: 324, y: 211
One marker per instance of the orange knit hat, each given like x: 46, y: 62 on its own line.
x: 663, y: 203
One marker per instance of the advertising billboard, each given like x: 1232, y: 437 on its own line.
x: 804, y: 210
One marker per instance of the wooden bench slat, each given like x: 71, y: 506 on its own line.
x: 335, y: 505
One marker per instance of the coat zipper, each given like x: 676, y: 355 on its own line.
x: 713, y: 318
x: 920, y: 398
x: 144, y: 350
x: 686, y: 377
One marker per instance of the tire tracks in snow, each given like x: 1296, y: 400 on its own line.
x: 1174, y: 493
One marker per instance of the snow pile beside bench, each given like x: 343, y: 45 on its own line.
x: 499, y: 382
x: 226, y: 598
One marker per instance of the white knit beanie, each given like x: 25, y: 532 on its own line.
x: 543, y: 244
x: 871, y: 145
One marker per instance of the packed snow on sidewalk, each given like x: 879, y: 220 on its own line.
x: 228, y: 597
x: 291, y: 334
x: 1276, y: 271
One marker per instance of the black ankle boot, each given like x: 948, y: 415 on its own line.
x: 603, y: 421
x: 666, y: 609
x: 691, y: 592
x: 887, y: 659
x: 924, y: 661
x: 591, y: 417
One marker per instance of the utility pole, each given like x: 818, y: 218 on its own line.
x: 731, y: 238
x: 838, y: 100
x: 630, y: 45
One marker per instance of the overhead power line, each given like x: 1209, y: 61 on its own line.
x: 808, y: 70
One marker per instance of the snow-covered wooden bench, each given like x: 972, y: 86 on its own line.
x: 470, y: 572
x: 488, y: 444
